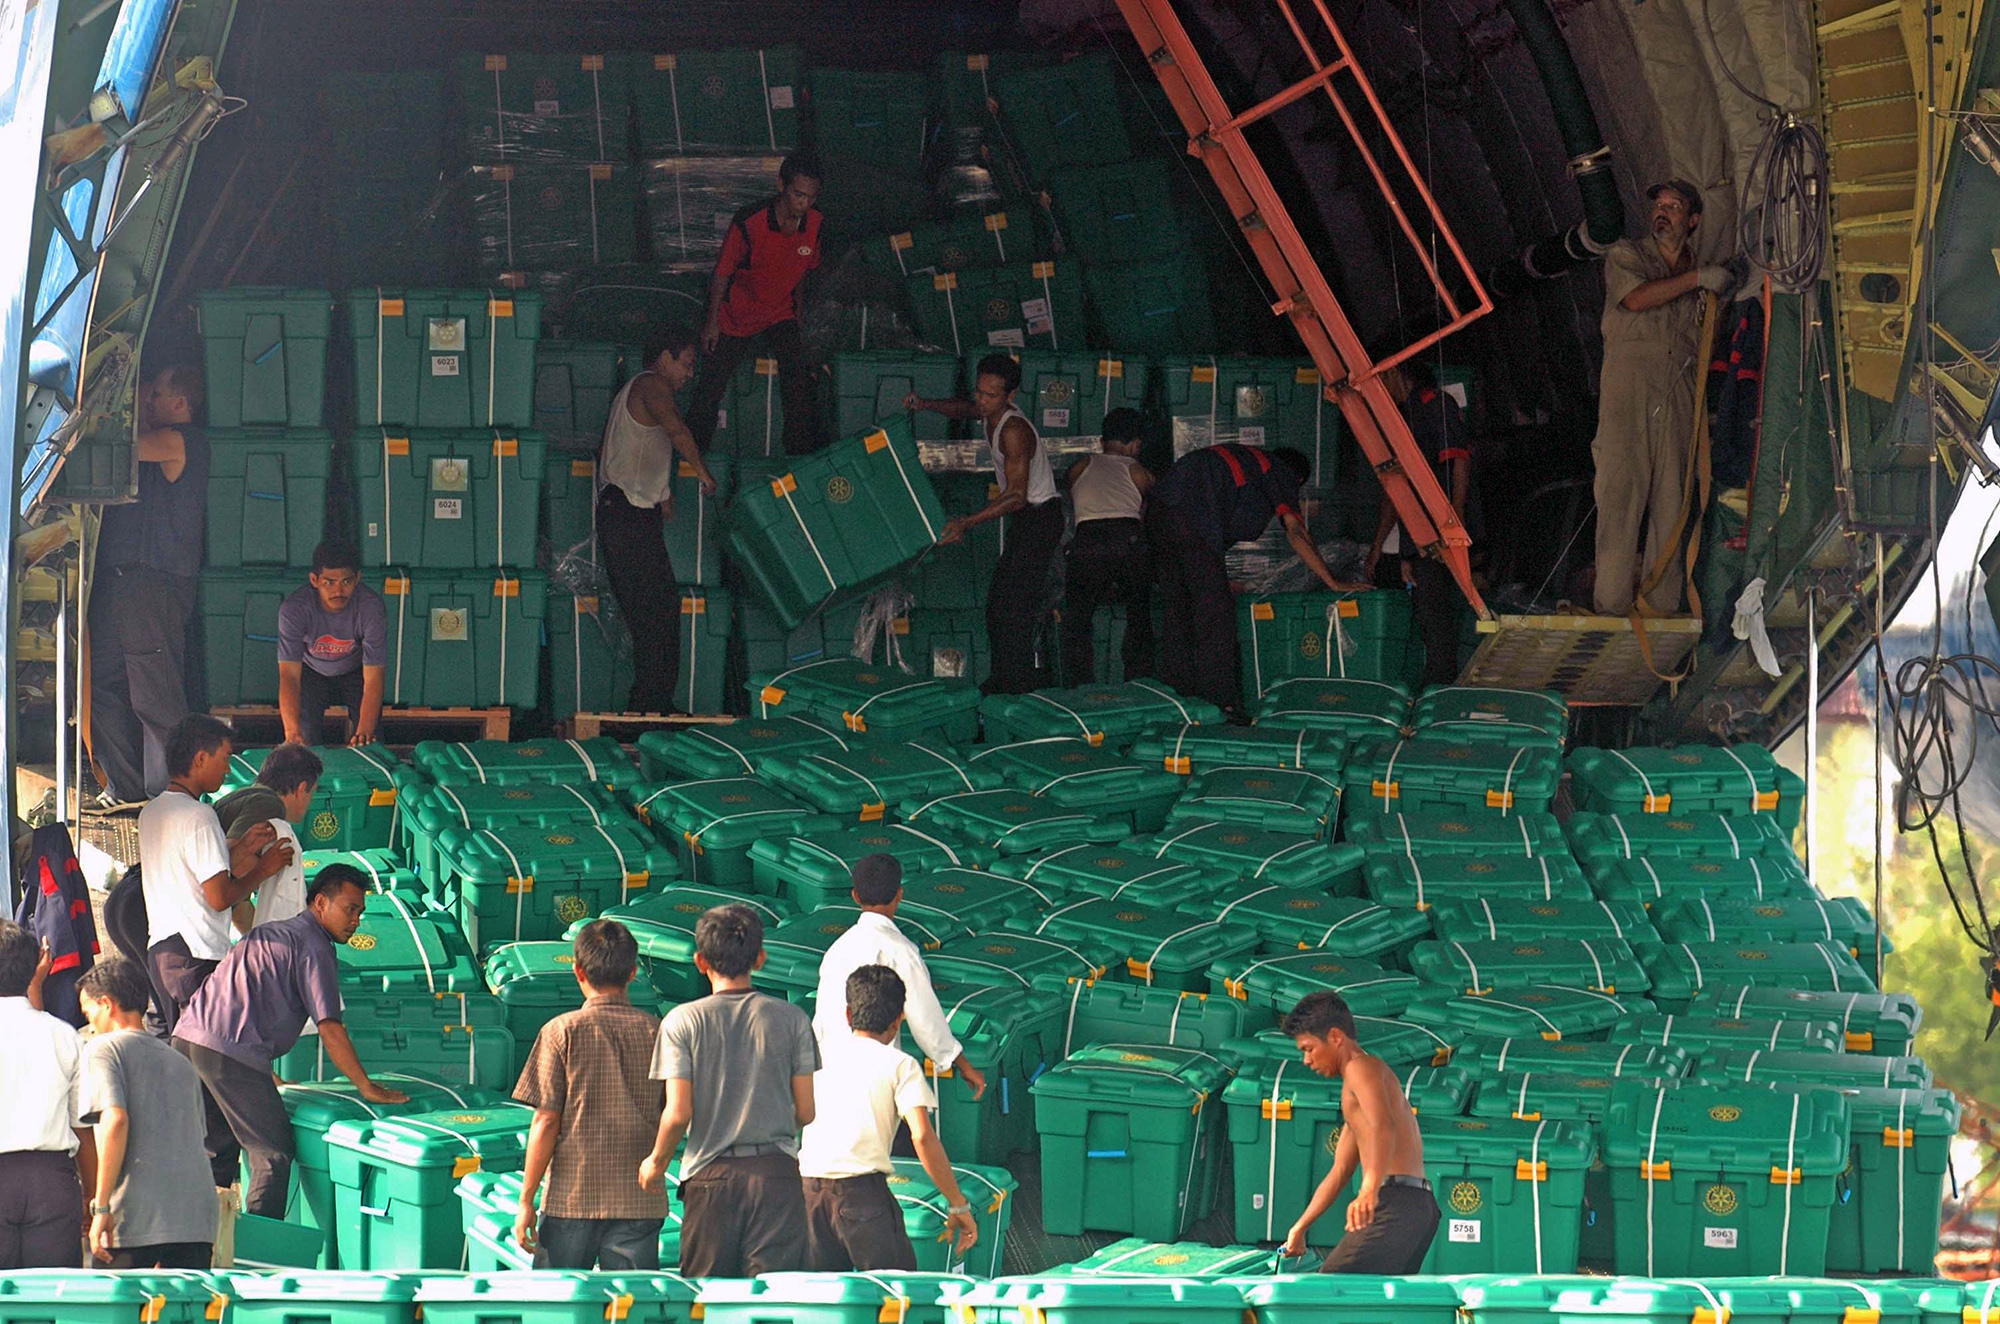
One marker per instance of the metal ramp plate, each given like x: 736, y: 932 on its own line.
x: 1586, y: 659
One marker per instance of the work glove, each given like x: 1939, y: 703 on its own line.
x: 1716, y: 279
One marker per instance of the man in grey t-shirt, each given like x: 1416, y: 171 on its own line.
x: 150, y: 1208
x: 333, y: 648
x: 739, y: 1066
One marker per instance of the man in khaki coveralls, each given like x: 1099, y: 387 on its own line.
x: 1645, y: 419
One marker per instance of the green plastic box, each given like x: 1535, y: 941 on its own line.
x: 1512, y: 1299
x: 470, y: 638
x: 1211, y: 398
x: 867, y: 386
x: 239, y: 625
x: 1661, y: 882
x: 448, y: 500
x: 1021, y: 306
x: 590, y: 655
x: 545, y: 1296
x: 1685, y: 779
x: 860, y: 699
x: 1115, y: 1011
x: 746, y: 99
x: 861, y: 783
x: 1523, y: 919
x: 1571, y: 1057
x: 1011, y: 822
x: 1326, y: 1298
x: 1289, y: 919
x: 983, y: 900
x: 1307, y: 803
x: 1109, y: 213
x: 569, y: 504
x: 430, y: 809
x: 1113, y: 716
x: 1553, y: 1011
x: 1483, y: 713
x: 1130, y: 870
x: 444, y: 359
x: 1158, y: 948
x: 1842, y: 920
x: 534, y: 218
x: 734, y: 749
x: 1445, y: 775
x: 662, y: 922
x: 1605, y: 966
x: 795, y: 949
x: 393, y: 1181
x: 1078, y: 775
x: 1696, y: 836
x: 927, y: 926
x: 814, y: 869
x: 1251, y: 854
x: 1884, y: 1023
x: 535, y: 982
x: 402, y: 947
x: 879, y: 117
x: 544, y: 105
x: 1187, y: 748
x: 694, y: 532
x: 264, y: 357
x: 103, y: 1296
x: 1701, y: 1034
x: 1522, y: 836
x: 1788, y: 1066
x: 1067, y: 394
x: 266, y: 495
x: 458, y: 1038
x: 1272, y: 985
x: 990, y: 236
x: 1130, y: 1139
x: 712, y: 823
x: 575, y: 383
x: 990, y: 1191
x: 289, y: 1296
x: 1061, y: 115
x: 1681, y: 970
x: 1154, y: 306
x: 602, y: 761
x: 1138, y: 1258
x: 1510, y: 1194
x: 1354, y: 709
x: 354, y: 805
x: 832, y: 1298
x: 1101, y: 1299
x: 383, y: 869
x: 1716, y: 1181
x: 529, y: 884
x: 1401, y: 1044
x: 1887, y: 1202
x: 1284, y: 1123
x: 1320, y: 635
x: 834, y: 521
x: 1007, y: 960
x: 1012, y: 1034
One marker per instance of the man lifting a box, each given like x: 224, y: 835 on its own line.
x: 1393, y: 1215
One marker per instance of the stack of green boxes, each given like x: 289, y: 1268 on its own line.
x: 354, y: 806
x: 385, y: 176
x: 270, y: 458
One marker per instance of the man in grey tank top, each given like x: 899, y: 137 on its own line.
x: 1108, y: 564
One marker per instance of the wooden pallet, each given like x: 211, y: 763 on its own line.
x: 1586, y: 659
x: 490, y: 723
x: 589, y: 726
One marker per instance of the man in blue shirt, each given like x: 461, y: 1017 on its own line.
x: 333, y: 649
x: 251, y: 1012
x: 142, y: 591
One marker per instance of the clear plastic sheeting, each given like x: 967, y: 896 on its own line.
x: 965, y: 457
x: 545, y: 106
x: 831, y: 326
x: 553, y: 216
x: 1269, y: 565
x: 690, y: 201
x: 877, y: 626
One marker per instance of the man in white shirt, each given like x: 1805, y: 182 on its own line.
x: 877, y: 882
x: 281, y: 796
x: 193, y: 877
x: 46, y: 1159
x: 865, y: 1084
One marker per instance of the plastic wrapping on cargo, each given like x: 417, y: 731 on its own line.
x: 553, y: 216
x: 691, y: 200
x: 830, y: 326
x: 968, y: 457
x: 877, y: 624
x: 742, y: 100
x: 628, y: 304
x: 1269, y: 565
x: 1252, y: 402
x: 545, y: 106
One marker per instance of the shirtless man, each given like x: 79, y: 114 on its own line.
x: 1393, y: 1216
x: 643, y: 438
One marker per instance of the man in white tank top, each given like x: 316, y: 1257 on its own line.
x: 1028, y: 501
x: 636, y: 466
x: 1108, y: 563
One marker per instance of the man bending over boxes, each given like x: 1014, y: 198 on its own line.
x: 333, y: 648
x: 250, y: 1013
x: 866, y: 1086
x: 1393, y: 1216
x: 739, y: 1070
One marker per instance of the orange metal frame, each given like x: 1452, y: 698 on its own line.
x: 1215, y: 135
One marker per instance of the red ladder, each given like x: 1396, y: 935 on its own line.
x: 1215, y: 134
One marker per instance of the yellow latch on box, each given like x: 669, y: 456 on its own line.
x: 1277, y: 1110
x: 515, y: 885
x: 1662, y: 1171
x: 464, y: 1165
x: 1895, y: 1139
x: 1526, y: 1171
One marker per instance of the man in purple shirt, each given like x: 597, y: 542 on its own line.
x: 333, y: 649
x: 250, y: 1013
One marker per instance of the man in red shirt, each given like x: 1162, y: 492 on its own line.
x: 755, y: 299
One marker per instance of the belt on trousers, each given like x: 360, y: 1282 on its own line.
x: 750, y: 1151
x: 1401, y: 1179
